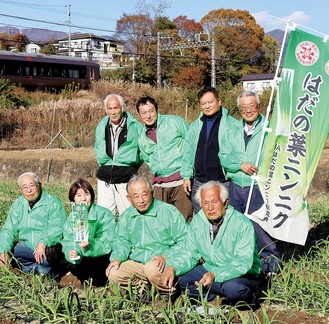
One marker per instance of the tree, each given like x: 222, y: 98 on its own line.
x: 153, y: 8
x: 48, y: 49
x: 4, y: 42
x: 137, y: 30
x: 190, y: 77
x: 270, y: 54
x: 238, y: 39
x: 20, y: 41
x: 163, y: 23
x: 187, y: 28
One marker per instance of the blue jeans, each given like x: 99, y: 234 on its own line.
x: 26, y: 260
x: 235, y: 290
x: 270, y: 256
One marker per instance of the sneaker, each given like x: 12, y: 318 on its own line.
x: 201, y: 310
x: 270, y: 275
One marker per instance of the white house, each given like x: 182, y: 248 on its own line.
x: 32, y: 48
x: 258, y: 82
x: 106, y: 52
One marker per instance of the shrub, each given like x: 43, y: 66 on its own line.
x: 8, y: 99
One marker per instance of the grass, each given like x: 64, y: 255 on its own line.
x: 301, y: 288
x: 77, y: 112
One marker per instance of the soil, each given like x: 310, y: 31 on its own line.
x: 52, y: 165
x: 280, y: 313
x: 69, y: 280
x: 67, y: 165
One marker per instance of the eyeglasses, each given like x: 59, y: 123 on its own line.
x: 244, y: 108
x: 30, y: 187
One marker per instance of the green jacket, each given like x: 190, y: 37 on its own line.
x: 43, y: 223
x: 164, y: 157
x: 141, y: 237
x: 101, y: 225
x: 128, y: 153
x: 232, y: 254
x: 191, y: 142
x: 233, y: 152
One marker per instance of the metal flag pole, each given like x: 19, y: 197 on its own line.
x: 268, y: 110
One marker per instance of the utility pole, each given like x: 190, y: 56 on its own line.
x: 69, y: 14
x: 181, y: 46
x: 134, y: 72
x: 213, y: 65
x: 158, y: 62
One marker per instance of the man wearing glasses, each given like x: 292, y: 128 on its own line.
x: 238, y: 156
x: 37, y: 219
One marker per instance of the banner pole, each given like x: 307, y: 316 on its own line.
x: 268, y: 110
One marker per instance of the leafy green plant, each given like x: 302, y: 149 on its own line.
x: 8, y: 99
x: 303, y: 286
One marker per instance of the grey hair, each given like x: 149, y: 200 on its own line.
x: 31, y: 174
x: 139, y: 177
x: 210, y: 184
x: 248, y: 94
x: 111, y: 95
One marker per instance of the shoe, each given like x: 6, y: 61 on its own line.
x: 201, y: 310
x: 270, y: 275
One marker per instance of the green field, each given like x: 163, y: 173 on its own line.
x: 301, y: 290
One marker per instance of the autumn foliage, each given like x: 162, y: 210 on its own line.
x: 187, y: 28
x: 17, y: 41
x: 190, y: 77
x: 240, y: 46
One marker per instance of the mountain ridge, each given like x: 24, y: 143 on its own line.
x: 45, y: 35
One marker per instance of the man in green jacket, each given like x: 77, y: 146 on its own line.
x: 117, y: 154
x: 145, y: 233
x: 37, y: 219
x: 200, y: 160
x: 161, y: 142
x: 225, y: 241
x: 238, y: 155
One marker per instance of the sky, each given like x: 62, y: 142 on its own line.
x: 99, y: 16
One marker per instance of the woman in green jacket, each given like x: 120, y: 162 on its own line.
x: 88, y: 235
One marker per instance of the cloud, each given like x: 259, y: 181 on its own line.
x: 264, y: 19
x: 299, y: 17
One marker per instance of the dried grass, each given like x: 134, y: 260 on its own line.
x: 76, y: 114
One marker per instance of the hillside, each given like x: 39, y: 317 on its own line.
x: 34, y: 34
x: 44, y: 35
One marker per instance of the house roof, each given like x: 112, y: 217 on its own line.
x: 257, y: 77
x: 82, y: 36
x: 114, y: 40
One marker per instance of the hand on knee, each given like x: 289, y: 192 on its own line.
x: 152, y: 272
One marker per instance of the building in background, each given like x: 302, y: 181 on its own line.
x: 107, y: 52
x: 258, y: 82
x: 32, y: 48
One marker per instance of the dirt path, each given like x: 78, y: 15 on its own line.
x: 66, y: 165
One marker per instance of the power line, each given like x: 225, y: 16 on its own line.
x: 53, y: 9
x: 29, y: 4
x: 56, y: 23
